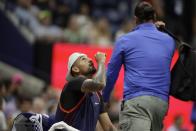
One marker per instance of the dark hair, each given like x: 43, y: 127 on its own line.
x: 7, y: 82
x: 1, y: 84
x: 22, y: 99
x: 144, y: 12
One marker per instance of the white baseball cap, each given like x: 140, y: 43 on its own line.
x: 72, y: 59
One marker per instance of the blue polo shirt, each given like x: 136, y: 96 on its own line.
x: 146, y: 54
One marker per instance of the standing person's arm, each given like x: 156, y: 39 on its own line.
x: 113, y: 69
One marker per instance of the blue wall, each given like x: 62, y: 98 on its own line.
x: 14, y: 49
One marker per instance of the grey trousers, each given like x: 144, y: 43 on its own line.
x: 143, y: 113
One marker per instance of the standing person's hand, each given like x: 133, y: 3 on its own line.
x: 160, y: 24
x: 100, y: 57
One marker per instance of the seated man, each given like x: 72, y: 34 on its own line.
x: 81, y: 104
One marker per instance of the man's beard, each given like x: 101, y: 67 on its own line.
x: 91, y: 71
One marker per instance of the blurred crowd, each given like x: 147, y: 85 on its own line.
x: 97, y: 22
x: 13, y: 101
x: 73, y: 21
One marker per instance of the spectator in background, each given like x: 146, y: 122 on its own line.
x: 72, y: 33
x: 13, y: 86
x: 126, y: 26
x: 8, y: 95
x: 39, y: 105
x: 3, y: 91
x: 59, y: 9
x: 3, y: 122
x: 17, y: 81
x: 43, y: 4
x: 51, y: 97
x: 101, y: 35
x: 61, y: 13
x: 114, y: 10
x: 85, y: 22
x: 24, y: 104
x: 27, y: 13
x: 45, y: 30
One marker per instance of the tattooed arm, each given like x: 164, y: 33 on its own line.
x: 98, y: 82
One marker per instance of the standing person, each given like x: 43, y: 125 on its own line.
x: 81, y: 104
x: 146, y: 54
